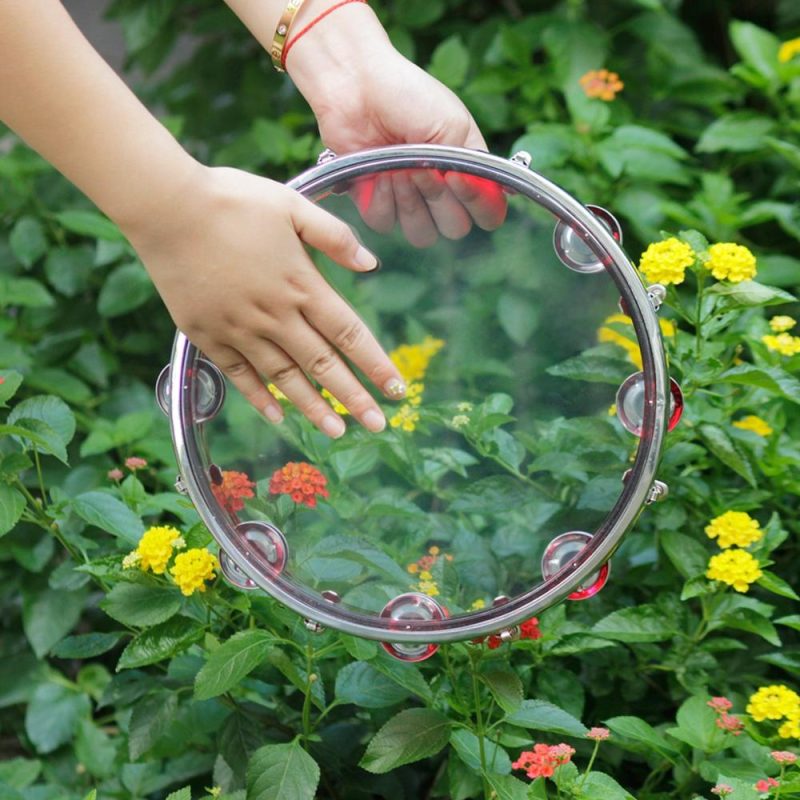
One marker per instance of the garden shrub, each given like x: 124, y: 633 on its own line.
x: 130, y: 670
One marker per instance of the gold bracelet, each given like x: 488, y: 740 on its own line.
x: 282, y: 31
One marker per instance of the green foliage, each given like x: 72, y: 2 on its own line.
x: 116, y: 685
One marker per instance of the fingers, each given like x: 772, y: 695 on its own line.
x: 374, y: 199
x: 481, y: 197
x: 318, y: 228
x: 446, y: 210
x: 415, y: 219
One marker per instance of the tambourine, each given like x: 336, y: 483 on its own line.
x: 503, y: 483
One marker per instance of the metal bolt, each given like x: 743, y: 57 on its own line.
x: 523, y: 158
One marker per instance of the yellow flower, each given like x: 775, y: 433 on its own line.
x: 434, y: 550
x: 335, y: 404
x: 782, y: 323
x: 788, y: 50
x: 478, y: 604
x: 612, y: 410
x: 666, y: 262
x: 412, y: 360
x: 131, y: 560
x: 754, y: 424
x: 413, y: 568
x: 605, y: 333
x: 276, y: 392
x: 425, y: 575
x: 737, y: 568
x: 773, y: 702
x: 783, y: 343
x: 734, y: 528
x: 414, y: 393
x: 406, y: 418
x: 730, y: 261
x: 156, y: 546
x: 429, y: 588
x: 193, y: 568
x: 791, y: 728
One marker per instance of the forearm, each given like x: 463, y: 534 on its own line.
x: 60, y: 96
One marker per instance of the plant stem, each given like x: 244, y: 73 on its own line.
x: 479, y: 728
x: 590, y: 764
x: 307, y: 698
x: 698, y: 323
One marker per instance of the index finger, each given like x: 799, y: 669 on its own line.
x: 483, y: 198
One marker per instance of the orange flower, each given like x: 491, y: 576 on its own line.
x: 233, y: 490
x: 601, y: 84
x: 541, y: 762
x: 302, y: 482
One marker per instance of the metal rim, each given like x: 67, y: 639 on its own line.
x: 190, y: 448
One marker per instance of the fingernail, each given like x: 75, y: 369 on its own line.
x: 364, y: 259
x: 273, y: 414
x: 334, y: 426
x: 374, y: 421
x: 395, y: 388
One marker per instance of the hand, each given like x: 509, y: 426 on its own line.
x: 368, y: 96
x: 230, y: 265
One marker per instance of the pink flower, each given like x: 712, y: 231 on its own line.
x: 598, y: 734
x: 542, y: 761
x: 783, y: 757
x: 765, y: 784
x: 115, y: 474
x: 730, y: 723
x: 721, y: 705
x: 134, y: 462
x: 722, y: 790
x: 562, y: 753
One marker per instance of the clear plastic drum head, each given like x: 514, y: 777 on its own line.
x: 502, y: 443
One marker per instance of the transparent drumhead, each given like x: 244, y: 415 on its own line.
x: 503, y: 442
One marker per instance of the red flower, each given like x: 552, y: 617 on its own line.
x: 233, y: 490
x: 541, y: 762
x: 530, y: 629
x: 765, y: 784
x: 720, y: 704
x: 302, y: 482
x: 135, y: 462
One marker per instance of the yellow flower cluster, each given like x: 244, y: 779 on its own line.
x: 193, y: 568
x: 155, y: 549
x: 734, y: 529
x: 777, y: 702
x: 783, y: 343
x: 737, y: 568
x: 782, y: 323
x: 729, y: 261
x: 788, y: 50
x: 754, y: 424
x: 423, y: 566
x: 606, y: 333
x: 666, y: 261
x: 412, y: 361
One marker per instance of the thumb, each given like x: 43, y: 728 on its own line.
x: 332, y: 236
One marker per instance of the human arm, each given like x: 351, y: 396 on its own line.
x: 224, y: 248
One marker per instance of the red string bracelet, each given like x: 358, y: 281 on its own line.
x: 310, y: 25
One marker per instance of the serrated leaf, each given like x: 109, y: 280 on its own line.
x: 450, y: 62
x: 12, y: 504
x: 687, y: 555
x: 749, y: 294
x: 25, y: 292
x: 468, y: 747
x: 42, y: 438
x: 53, y: 714
x: 106, y: 512
x: 409, y: 736
x: 726, y: 450
x: 139, y: 604
x: 87, y: 645
x: 738, y: 132
x: 125, y: 289
x: 48, y: 615
x: 644, y: 623
x: 777, y: 585
x: 231, y: 662
x: 159, y: 643
x: 90, y: 223
x: 362, y: 684
x: 10, y: 381
x: 637, y: 730
x: 53, y: 411
x: 28, y: 241
x: 181, y: 794
x: 774, y: 379
x: 282, y: 772
x: 542, y: 716
x: 150, y: 720
x: 506, y: 688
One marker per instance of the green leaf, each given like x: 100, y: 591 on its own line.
x: 773, y: 379
x: 546, y: 717
x: 182, y: 794
x: 25, y: 292
x: 40, y: 434
x: 507, y: 787
x: 697, y: 726
x: 48, y: 615
x: 724, y: 448
x: 125, y: 289
x: 139, y: 604
x: 644, y: 623
x: 594, y: 365
x: 640, y: 732
x: 160, y: 643
x: 53, y: 411
x: 28, y: 241
x: 53, y: 714
x: 362, y: 684
x: 87, y: 645
x: 10, y: 381
x: 231, y: 662
x: 408, y: 676
x: 104, y: 511
x: 748, y: 294
x: 467, y: 745
x: 150, y: 720
x: 687, y: 555
x: 409, y: 736
x: 506, y: 688
x: 90, y: 223
x: 282, y: 772
x: 68, y: 269
x: 739, y: 132
x: 12, y: 504
x: 777, y: 585
x: 95, y: 749
x: 598, y: 784
x: 450, y: 62
x: 517, y: 316
x: 757, y: 48
x: 19, y: 773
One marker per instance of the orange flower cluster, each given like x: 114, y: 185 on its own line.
x: 725, y: 721
x: 601, y: 84
x: 542, y: 761
x: 302, y: 482
x: 235, y: 488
